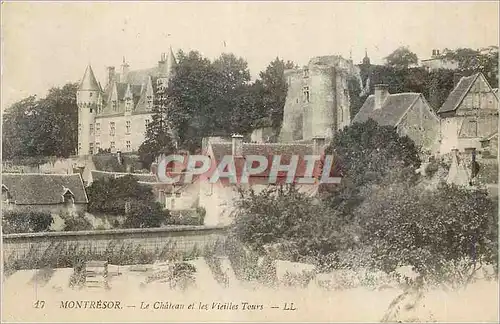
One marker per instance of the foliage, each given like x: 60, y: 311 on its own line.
x: 146, y: 215
x: 42, y: 127
x: 401, y: 58
x: 429, y: 230
x: 471, y: 61
x: 367, y: 153
x: 125, y: 196
x: 283, y: 214
x: 26, y: 221
x: 275, y: 89
x: 158, y: 139
x: 67, y: 255
x: 75, y: 222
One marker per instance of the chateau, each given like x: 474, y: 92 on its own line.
x: 115, y: 117
x: 318, y: 102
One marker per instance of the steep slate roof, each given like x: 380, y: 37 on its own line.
x: 89, y: 82
x: 458, y: 94
x: 393, y: 109
x: 43, y: 189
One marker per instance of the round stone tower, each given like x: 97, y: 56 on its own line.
x: 87, y: 98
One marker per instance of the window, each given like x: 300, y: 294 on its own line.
x: 90, y: 110
x: 79, y: 128
x: 97, y: 146
x: 91, y: 148
x: 68, y: 198
x: 150, y: 102
x: 306, y: 73
x: 177, y: 194
x: 128, y: 126
x: 91, y: 129
x: 128, y: 145
x: 146, y: 122
x: 113, y: 104
x: 91, y: 94
x: 98, y: 128
x: 473, y: 128
x: 112, y: 145
x: 79, y: 147
x: 112, y: 128
x: 128, y: 105
x: 306, y: 94
x: 346, y: 93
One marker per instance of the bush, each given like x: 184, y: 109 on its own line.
x: 432, y: 231
x: 143, y: 215
x: 75, y: 222
x: 26, y: 222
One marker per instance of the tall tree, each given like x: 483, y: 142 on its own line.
x: 159, y: 137
x: 42, y: 127
x: 275, y: 89
x: 401, y: 58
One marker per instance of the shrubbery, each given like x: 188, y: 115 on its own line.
x: 26, y: 221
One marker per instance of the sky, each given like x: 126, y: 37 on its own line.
x: 47, y: 44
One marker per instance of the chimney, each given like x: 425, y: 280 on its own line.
x: 433, y: 53
x: 111, y: 74
x: 381, y: 93
x: 154, y: 168
x: 318, y: 145
x: 125, y: 69
x: 456, y: 79
x: 237, y: 145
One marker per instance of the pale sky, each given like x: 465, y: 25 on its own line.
x: 48, y: 44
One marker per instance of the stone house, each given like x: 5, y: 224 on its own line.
x: 469, y: 115
x: 219, y: 198
x: 53, y: 193
x: 409, y: 113
x: 439, y: 61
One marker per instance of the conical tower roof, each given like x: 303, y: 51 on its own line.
x: 89, y: 81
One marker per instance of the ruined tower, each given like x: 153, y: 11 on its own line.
x: 317, y: 103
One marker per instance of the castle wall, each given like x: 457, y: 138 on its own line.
x: 292, y: 112
x: 123, y: 141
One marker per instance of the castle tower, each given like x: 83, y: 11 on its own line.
x: 87, y: 98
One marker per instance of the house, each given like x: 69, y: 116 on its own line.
x: 469, y: 115
x: 409, y: 113
x: 439, y: 61
x: 52, y: 193
x: 218, y: 198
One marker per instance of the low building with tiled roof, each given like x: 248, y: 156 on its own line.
x: 115, y: 116
x: 46, y: 192
x: 218, y: 197
x: 409, y: 113
x: 469, y: 114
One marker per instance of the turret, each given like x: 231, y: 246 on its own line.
x: 87, y: 98
x: 166, y: 67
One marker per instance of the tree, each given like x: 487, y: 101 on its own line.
x: 430, y: 230
x: 158, y: 139
x: 472, y: 61
x: 42, y: 127
x: 143, y: 215
x: 275, y: 89
x: 401, y: 58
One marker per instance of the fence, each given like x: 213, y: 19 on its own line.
x: 16, y: 246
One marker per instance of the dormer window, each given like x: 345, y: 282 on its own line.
x: 306, y: 73
x: 68, y: 197
x: 5, y: 195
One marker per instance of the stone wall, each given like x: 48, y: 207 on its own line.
x: 15, y: 246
